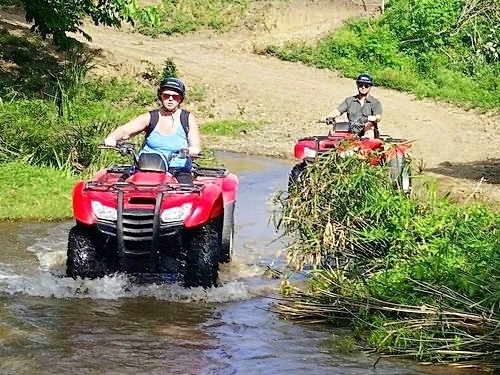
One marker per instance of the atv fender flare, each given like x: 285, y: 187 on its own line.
x: 230, y: 188
x: 82, y: 211
x: 210, y: 205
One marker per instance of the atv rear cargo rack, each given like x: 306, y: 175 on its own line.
x: 210, y: 172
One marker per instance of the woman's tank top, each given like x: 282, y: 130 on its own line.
x: 165, y: 144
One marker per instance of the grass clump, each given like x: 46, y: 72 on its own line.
x: 35, y: 193
x: 228, y: 127
x: 412, y: 277
x: 192, y: 15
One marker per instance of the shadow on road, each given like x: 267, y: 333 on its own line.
x: 488, y: 169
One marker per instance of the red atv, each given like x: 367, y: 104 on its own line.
x: 137, y: 218
x: 379, y: 151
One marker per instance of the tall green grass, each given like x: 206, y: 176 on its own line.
x: 445, y: 49
x: 192, y: 15
x: 32, y: 130
x: 35, y: 193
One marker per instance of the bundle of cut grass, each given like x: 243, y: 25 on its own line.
x: 413, y: 277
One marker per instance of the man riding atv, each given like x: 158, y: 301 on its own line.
x: 363, y: 110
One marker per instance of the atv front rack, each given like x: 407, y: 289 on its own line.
x: 215, y: 172
x: 172, y: 188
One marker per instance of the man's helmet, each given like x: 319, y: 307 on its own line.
x: 365, y: 78
x: 172, y: 84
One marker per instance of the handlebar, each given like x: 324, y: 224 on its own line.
x: 129, y: 148
x: 326, y: 120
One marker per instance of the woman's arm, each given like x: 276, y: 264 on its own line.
x: 128, y: 130
x: 194, y: 138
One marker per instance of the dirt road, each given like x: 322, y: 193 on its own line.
x: 459, y: 147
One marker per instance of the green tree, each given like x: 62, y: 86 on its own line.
x: 56, y: 18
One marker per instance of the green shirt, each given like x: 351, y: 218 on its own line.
x: 355, y: 110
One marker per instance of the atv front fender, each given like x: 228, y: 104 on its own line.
x: 230, y: 188
x: 209, y: 205
x: 82, y: 210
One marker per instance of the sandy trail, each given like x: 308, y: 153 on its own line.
x: 459, y: 146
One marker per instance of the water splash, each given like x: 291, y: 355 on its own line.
x: 113, y: 287
x: 239, y: 280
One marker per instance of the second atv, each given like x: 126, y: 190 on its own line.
x: 384, y: 150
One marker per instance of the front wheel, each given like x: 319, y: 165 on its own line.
x: 202, y: 255
x: 83, y: 259
x: 399, y: 170
x: 227, y: 242
x: 296, y: 175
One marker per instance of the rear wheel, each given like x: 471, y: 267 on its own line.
x: 227, y: 242
x: 83, y: 259
x: 202, y: 255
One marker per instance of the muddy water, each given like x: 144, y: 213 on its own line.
x: 50, y: 324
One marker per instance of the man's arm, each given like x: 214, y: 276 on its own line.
x: 342, y: 108
x: 376, y: 112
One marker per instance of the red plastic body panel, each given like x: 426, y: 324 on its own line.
x: 228, y: 185
x: 82, y: 210
x: 208, y: 198
x: 364, y: 146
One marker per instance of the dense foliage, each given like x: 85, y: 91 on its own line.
x: 446, y: 49
x: 191, y: 15
x: 38, y: 132
x: 57, y: 18
x: 415, y: 276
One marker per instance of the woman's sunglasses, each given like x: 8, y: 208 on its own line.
x: 176, y: 97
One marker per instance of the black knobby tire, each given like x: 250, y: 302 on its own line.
x: 400, y: 173
x: 83, y: 258
x: 203, y: 246
x: 296, y: 174
x: 227, y: 241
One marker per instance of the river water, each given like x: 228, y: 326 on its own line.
x: 50, y: 324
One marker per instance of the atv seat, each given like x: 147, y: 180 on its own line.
x: 151, y: 162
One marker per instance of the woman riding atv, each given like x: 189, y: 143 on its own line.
x: 167, y: 129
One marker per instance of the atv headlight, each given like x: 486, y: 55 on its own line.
x: 176, y: 213
x: 309, y: 152
x: 104, y: 212
x: 347, y: 153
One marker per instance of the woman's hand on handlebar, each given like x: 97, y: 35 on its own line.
x: 109, y: 142
x: 194, y: 151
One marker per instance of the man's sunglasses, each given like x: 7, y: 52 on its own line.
x: 364, y: 85
x: 176, y: 97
